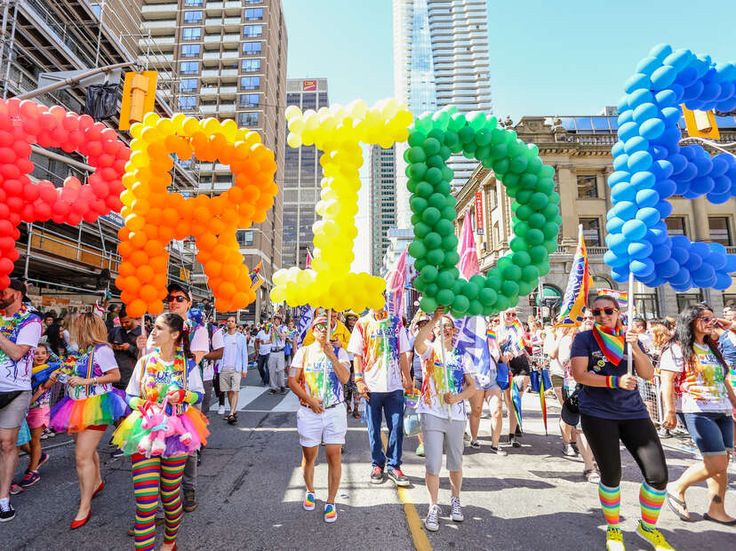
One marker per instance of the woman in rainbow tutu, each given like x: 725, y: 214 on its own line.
x: 90, y: 404
x: 163, y: 428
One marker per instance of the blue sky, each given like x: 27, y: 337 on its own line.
x: 547, y: 56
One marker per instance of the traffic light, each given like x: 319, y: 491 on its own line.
x: 139, y: 96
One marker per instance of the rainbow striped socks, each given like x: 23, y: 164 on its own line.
x: 650, y: 501
x: 610, y: 503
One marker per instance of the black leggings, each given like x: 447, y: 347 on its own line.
x: 640, y: 438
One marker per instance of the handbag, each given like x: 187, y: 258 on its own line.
x: 502, y: 375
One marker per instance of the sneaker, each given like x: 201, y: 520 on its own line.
x: 190, y: 501
x: 377, y: 475
x: 568, y: 450
x: 466, y: 437
x: 499, y: 451
x: 654, y: 537
x: 7, y: 513
x: 432, y: 521
x: 330, y: 512
x: 272, y: 391
x: 44, y: 459
x: 457, y: 511
x: 221, y: 410
x: 420, y: 450
x: 399, y: 478
x: 45, y: 434
x: 309, y: 502
x: 514, y: 443
x: 29, y: 479
x: 614, y: 539
x: 475, y: 444
x: 592, y: 476
x: 15, y: 489
x: 283, y: 391
x: 518, y: 433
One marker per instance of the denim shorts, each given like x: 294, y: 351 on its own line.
x: 712, y: 432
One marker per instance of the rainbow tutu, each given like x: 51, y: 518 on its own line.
x: 76, y: 415
x: 130, y: 433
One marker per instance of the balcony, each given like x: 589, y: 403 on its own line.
x: 165, y: 44
x: 159, y: 28
x: 230, y: 75
x: 228, y: 23
x: 222, y: 111
x: 214, y: 58
x: 213, y: 41
x: 230, y: 8
x: 159, y: 11
x: 223, y: 92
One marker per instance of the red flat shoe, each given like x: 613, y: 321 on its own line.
x: 81, y: 522
x: 99, y: 489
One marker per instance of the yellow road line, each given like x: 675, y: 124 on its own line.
x: 418, y: 536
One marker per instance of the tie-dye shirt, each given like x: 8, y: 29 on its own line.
x: 700, y: 386
x: 440, y: 379
x: 318, y: 374
x: 380, y: 343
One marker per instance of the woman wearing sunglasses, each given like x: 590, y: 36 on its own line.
x: 694, y: 371
x: 612, y: 411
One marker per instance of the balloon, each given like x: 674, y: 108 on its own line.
x: 651, y: 166
x: 212, y: 221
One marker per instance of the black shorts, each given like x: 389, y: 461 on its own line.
x: 519, y: 365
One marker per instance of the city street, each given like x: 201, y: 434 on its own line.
x: 250, y: 492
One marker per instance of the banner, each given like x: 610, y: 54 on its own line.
x: 479, y: 213
x: 395, y: 283
x: 304, y: 314
x: 578, y: 285
x: 622, y: 297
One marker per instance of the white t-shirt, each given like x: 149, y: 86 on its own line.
x: 439, y: 379
x: 208, y: 372
x: 701, y: 386
x: 264, y: 342
x: 17, y: 375
x: 230, y: 353
x: 557, y: 365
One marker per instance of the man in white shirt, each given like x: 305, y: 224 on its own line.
x: 263, y: 350
x: 233, y: 366
x: 276, y: 358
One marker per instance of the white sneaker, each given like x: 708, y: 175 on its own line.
x: 432, y: 522
x: 221, y: 410
x: 457, y: 511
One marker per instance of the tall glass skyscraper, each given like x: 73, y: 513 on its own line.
x: 440, y: 58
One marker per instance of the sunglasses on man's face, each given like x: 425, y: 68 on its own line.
x: 600, y: 311
x: 176, y: 298
x: 321, y: 327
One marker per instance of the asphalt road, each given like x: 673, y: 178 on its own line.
x: 250, y: 491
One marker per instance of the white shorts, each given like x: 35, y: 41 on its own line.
x: 230, y: 380
x: 328, y: 427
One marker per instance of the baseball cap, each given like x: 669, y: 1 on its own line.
x: 18, y: 285
x: 179, y: 287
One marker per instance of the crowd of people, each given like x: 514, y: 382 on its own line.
x: 154, y: 385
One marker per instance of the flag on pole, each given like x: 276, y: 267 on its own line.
x: 622, y: 297
x: 308, y: 261
x: 395, y: 282
x: 578, y: 285
x: 256, y: 279
x: 543, y: 401
x: 468, y: 264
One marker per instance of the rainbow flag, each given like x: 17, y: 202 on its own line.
x: 490, y: 334
x: 578, y: 285
x: 622, y: 297
x: 611, y: 342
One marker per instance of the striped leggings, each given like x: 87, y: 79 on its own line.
x: 147, y: 475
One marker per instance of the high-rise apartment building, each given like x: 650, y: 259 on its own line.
x: 382, y: 203
x: 302, y: 176
x: 230, y: 63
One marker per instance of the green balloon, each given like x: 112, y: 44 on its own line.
x: 436, y: 133
x: 487, y: 162
x: 431, y: 215
x: 417, y: 249
x: 469, y: 150
x: 451, y: 259
x: 438, y: 201
x: 445, y: 297
x: 416, y: 138
x: 539, y: 201
x: 510, y: 289
x: 443, y: 187
x: 449, y: 213
x: 550, y: 231
x: 538, y: 254
x: 525, y: 288
x: 458, y: 286
x: 435, y: 257
x: 512, y: 273
x: 551, y: 246
x: 419, y: 264
x: 543, y: 269
x: 554, y: 198
x: 522, y: 259
x: 424, y: 189
x: 471, y: 291
x: 428, y: 304
x: 451, y: 139
x: 478, y: 280
x: 411, y: 185
x: 449, y: 243
x: 535, y: 164
x: 529, y: 181
x: 536, y: 220
x: 461, y: 303
x: 483, y: 152
x: 457, y: 121
x: 521, y: 229
x: 415, y: 218
x: 445, y: 279
x: 499, y: 151
x: 546, y: 185
x: 518, y: 164
x: 550, y: 211
x: 511, y: 181
x: 487, y: 296
x: 499, y: 136
x: 421, y: 230
x: 466, y: 135
x: 420, y: 283
x: 529, y: 274
x: 429, y: 274
x: 433, y: 240
x: 433, y: 175
x: 475, y: 308
x: 502, y: 303
x: 494, y: 282
x: 524, y: 196
x: 524, y: 212
x: 431, y: 146
x: 416, y: 171
x: 431, y: 289
x: 415, y: 155
x: 447, y: 174
x: 445, y: 152
x: 483, y: 137
x: 435, y: 161
x: 535, y: 237
x: 518, y: 244
x: 418, y: 204
x: 444, y: 228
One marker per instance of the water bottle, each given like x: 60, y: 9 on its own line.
x: 361, y: 411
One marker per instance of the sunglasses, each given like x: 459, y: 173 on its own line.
x: 510, y: 315
x: 707, y: 319
x: 177, y: 298
x: 600, y: 311
x: 321, y: 327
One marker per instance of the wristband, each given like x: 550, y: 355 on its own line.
x: 612, y: 381
x: 359, y: 377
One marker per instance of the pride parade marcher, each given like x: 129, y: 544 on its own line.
x: 168, y: 378
x: 694, y: 371
x: 91, y: 403
x: 277, y: 336
x: 20, y: 329
x: 512, y: 344
x: 233, y: 366
x: 381, y: 364
x: 612, y: 411
x: 317, y: 375
x: 448, y: 382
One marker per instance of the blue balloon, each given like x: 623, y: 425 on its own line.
x: 614, y: 225
x: 617, y: 243
x: 645, y: 111
x: 623, y: 192
x: 665, y: 188
x: 661, y: 51
x: 659, y: 254
x: 648, y: 216
x: 639, y: 250
x: 663, y: 77
x: 679, y: 162
x: 621, y: 162
x: 647, y: 66
x: 665, y: 98
x: 637, y: 81
x: 662, y: 169
x: 624, y: 209
x: 646, y: 198
x: 664, y: 208
x: 679, y: 59
x: 668, y: 268
x: 613, y: 260
x: 628, y: 130
x: 723, y: 281
x: 635, y: 144
x: 731, y: 263
x: 682, y: 277
x: 643, y: 180
x: 717, y: 260
x: 620, y: 274
x: 634, y: 230
x: 680, y: 255
x: 640, y: 161
x: 618, y: 176
x: 671, y: 115
x: 694, y: 261
x: 658, y: 236
x: 642, y: 268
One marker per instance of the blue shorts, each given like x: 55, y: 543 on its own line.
x: 711, y: 432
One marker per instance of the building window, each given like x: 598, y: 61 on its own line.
x: 190, y: 50
x: 686, y: 300
x: 252, y: 48
x: 188, y: 84
x: 248, y: 120
x: 647, y: 305
x: 309, y: 101
x: 719, y: 230
x: 591, y: 231
x: 245, y: 237
x: 251, y: 31
x: 187, y: 103
x: 193, y: 3
x: 189, y: 67
x: 194, y: 16
x: 249, y: 100
x: 254, y: 2
x: 254, y: 14
x: 676, y: 225
x: 250, y: 83
x: 251, y: 65
x: 587, y: 186
x: 191, y: 33
x: 323, y: 99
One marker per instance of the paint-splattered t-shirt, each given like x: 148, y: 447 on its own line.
x: 318, y: 374
x: 440, y: 378
x: 380, y: 343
